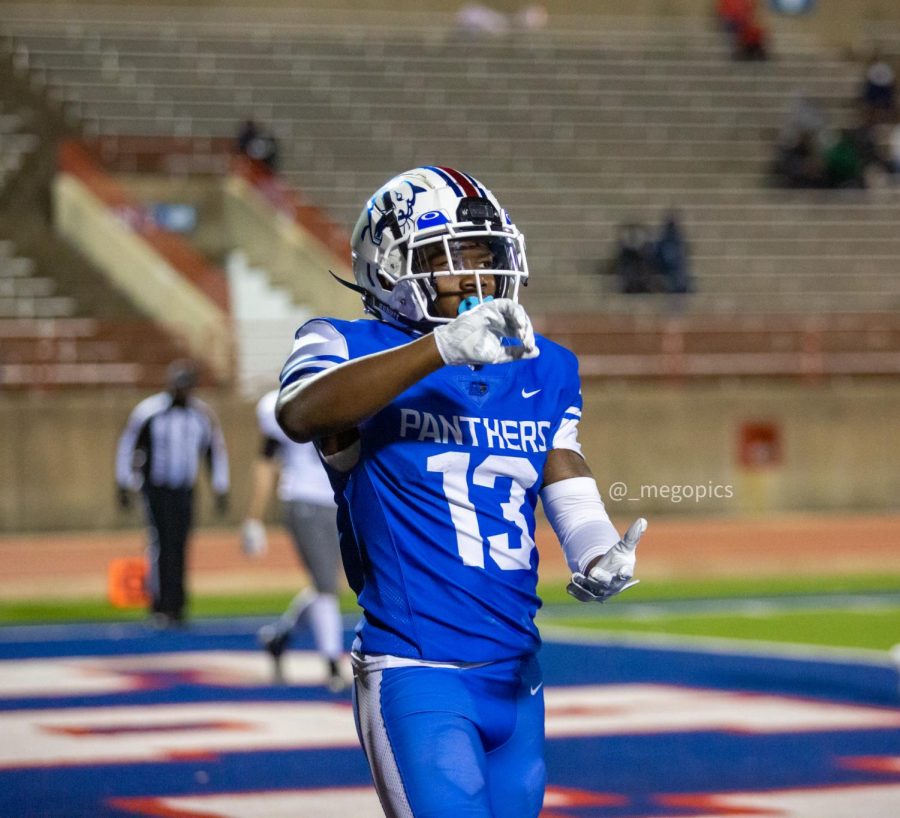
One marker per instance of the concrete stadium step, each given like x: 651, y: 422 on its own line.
x: 478, y: 107
x: 810, y: 228
x: 834, y: 244
x: 270, y: 72
x: 289, y: 37
x: 296, y: 120
x: 16, y: 267
x: 26, y: 287
x: 715, y: 304
x: 316, y: 107
x: 861, y: 267
x: 789, y: 280
x: 37, y: 307
x: 274, y: 71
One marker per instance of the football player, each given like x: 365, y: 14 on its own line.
x: 442, y: 421
x: 308, y: 510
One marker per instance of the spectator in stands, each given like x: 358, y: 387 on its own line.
x: 731, y: 13
x: 872, y: 157
x: 800, y: 162
x: 746, y: 34
x: 531, y: 18
x: 751, y: 41
x: 812, y: 160
x: 672, y: 255
x: 257, y: 143
x: 803, y: 116
x: 167, y: 437
x: 845, y: 162
x: 802, y: 142
x: 476, y: 21
x: 635, y: 261
x: 893, y: 143
x: 879, y: 89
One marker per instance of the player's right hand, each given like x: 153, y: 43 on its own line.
x: 254, y: 542
x: 612, y: 573
x: 476, y: 336
x: 123, y: 498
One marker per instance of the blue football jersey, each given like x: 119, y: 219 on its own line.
x: 437, y: 517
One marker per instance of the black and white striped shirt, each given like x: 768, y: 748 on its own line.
x: 163, y: 444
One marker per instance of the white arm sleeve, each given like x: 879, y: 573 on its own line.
x: 579, y: 518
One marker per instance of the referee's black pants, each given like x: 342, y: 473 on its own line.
x: 169, y: 518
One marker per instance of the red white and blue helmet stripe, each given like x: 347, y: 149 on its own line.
x: 460, y: 183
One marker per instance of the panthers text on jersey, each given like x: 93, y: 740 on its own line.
x: 437, y: 517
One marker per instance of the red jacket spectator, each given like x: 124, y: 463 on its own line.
x: 734, y: 13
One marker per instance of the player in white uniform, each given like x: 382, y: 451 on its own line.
x: 308, y: 507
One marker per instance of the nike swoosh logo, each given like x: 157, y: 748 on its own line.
x: 536, y: 687
x: 530, y: 394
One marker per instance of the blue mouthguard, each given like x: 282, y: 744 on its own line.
x: 472, y: 301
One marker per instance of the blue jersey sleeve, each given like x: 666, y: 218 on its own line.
x: 318, y: 345
x: 564, y: 434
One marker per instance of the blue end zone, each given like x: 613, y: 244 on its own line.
x: 639, y: 767
x: 571, y: 663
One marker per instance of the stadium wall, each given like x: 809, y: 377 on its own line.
x: 165, y: 278
x: 202, y: 192
x: 839, y: 450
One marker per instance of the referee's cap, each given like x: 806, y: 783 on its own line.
x: 181, y: 375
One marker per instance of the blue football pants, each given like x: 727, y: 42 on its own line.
x: 454, y: 743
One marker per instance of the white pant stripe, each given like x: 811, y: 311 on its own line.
x: 377, y: 745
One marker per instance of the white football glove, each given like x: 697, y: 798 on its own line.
x: 613, y: 572
x: 254, y: 542
x: 475, y: 336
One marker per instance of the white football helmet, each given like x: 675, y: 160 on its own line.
x: 418, y: 215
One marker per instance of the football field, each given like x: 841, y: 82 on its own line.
x: 767, y: 692
x: 114, y: 720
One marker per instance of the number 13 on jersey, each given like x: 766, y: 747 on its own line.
x: 454, y: 466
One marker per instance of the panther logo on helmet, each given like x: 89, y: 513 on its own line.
x: 394, y: 206
x: 424, y: 214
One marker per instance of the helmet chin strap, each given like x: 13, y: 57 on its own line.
x: 349, y: 284
x: 381, y: 310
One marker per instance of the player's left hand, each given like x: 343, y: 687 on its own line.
x: 612, y: 573
x: 221, y: 504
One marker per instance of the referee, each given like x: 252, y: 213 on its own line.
x: 159, y: 454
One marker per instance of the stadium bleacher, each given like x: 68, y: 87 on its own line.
x: 15, y: 144
x: 612, y: 125
x: 609, y: 123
